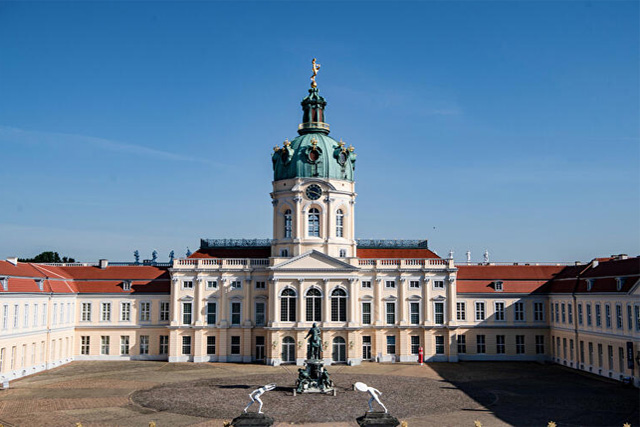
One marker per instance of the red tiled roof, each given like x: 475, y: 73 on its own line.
x: 395, y: 253
x: 115, y: 286
x: 508, y: 286
x: 239, y: 252
x: 132, y: 272
x: 603, y: 276
x: 508, y: 272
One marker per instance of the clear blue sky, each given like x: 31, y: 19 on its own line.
x: 507, y: 126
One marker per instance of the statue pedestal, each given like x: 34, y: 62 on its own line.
x: 252, y: 419
x: 311, y: 381
x: 377, y: 419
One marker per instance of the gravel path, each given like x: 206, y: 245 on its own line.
x: 224, y: 398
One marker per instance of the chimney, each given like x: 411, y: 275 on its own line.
x: 621, y: 256
x: 13, y: 260
x: 104, y: 263
x: 577, y: 263
x: 595, y: 263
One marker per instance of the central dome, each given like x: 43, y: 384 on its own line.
x: 313, y: 155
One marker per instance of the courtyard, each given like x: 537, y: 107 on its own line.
x: 134, y: 393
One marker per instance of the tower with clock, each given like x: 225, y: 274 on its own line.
x: 313, y: 188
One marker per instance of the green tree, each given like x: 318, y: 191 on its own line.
x: 47, y: 256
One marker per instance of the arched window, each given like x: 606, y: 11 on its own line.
x: 339, y: 350
x: 339, y: 223
x: 338, y: 305
x: 287, y: 224
x: 288, y: 350
x: 288, y: 305
x: 314, y: 222
x: 314, y: 305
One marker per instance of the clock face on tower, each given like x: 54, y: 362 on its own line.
x: 314, y: 192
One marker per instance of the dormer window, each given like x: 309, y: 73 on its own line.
x: 284, y: 253
x: 126, y: 285
x: 589, y: 284
x: 619, y: 283
x: 497, y: 285
x: 5, y: 283
x: 40, y: 283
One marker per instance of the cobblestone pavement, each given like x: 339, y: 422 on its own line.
x: 437, y: 394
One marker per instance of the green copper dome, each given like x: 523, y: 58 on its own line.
x: 313, y: 154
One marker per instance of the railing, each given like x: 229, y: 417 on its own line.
x: 233, y: 243
x: 402, y: 263
x: 312, y: 125
x: 221, y: 262
x: 392, y: 244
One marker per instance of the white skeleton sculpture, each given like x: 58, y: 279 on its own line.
x: 373, y: 392
x: 255, y: 395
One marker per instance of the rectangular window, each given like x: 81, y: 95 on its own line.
x: 588, y: 308
x: 391, y: 313
x: 414, y: 284
x: 366, y: 347
x: 621, y: 359
x: 288, y: 308
x: 538, y: 311
x: 607, y: 314
x: 125, y: 311
x: 164, y: 344
x: 212, y: 284
x: 519, y: 312
x: 461, y: 311
x: 579, y: 314
x: 124, y: 344
x: 144, y: 344
x: 519, y: 344
x: 480, y: 313
x: 366, y: 313
x: 564, y: 348
x: 499, y: 310
x: 104, y: 345
x: 581, y: 351
x: 235, y: 344
x: 539, y: 344
x: 637, y: 311
x: 439, y: 344
x: 187, y: 284
x: 415, y: 344
x: 186, y: 345
x: 591, y: 353
x: 629, y: 317
x: 600, y: 356
x: 619, y: 322
x: 598, y: 316
x: 564, y: 314
x: 570, y: 313
x: 26, y: 315
x: 35, y: 317
x: 86, y: 312
x: 438, y: 284
x: 414, y: 313
x: 366, y: 284
x: 145, y: 311
x: 5, y: 316
x: 236, y: 285
x: 84, y: 344
x: 610, y: 354
x: 212, y: 313
x: 391, y: 344
x: 261, y: 285
x: 480, y: 344
x: 260, y: 314
x: 462, y: 344
x: 235, y: 313
x: 164, y: 311
x: 186, y: 313
x: 390, y: 283
x: 211, y: 345
x: 438, y: 309
x: 500, y: 347
x: 105, y: 312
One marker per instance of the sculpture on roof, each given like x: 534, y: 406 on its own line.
x: 136, y: 255
x: 154, y: 256
x: 315, y: 67
x: 172, y: 255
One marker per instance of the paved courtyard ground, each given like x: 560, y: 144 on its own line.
x: 437, y: 394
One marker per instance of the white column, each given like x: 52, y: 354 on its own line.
x: 377, y: 301
x: 353, y: 298
x: 300, y: 314
x: 222, y: 308
x: 175, y: 309
x: 452, y: 298
x: 426, y: 303
x: 326, y: 303
x: 402, y: 309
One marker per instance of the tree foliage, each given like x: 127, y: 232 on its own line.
x: 47, y: 256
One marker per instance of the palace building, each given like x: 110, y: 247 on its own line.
x: 253, y: 301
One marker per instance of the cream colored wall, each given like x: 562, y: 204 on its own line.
x: 53, y: 340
